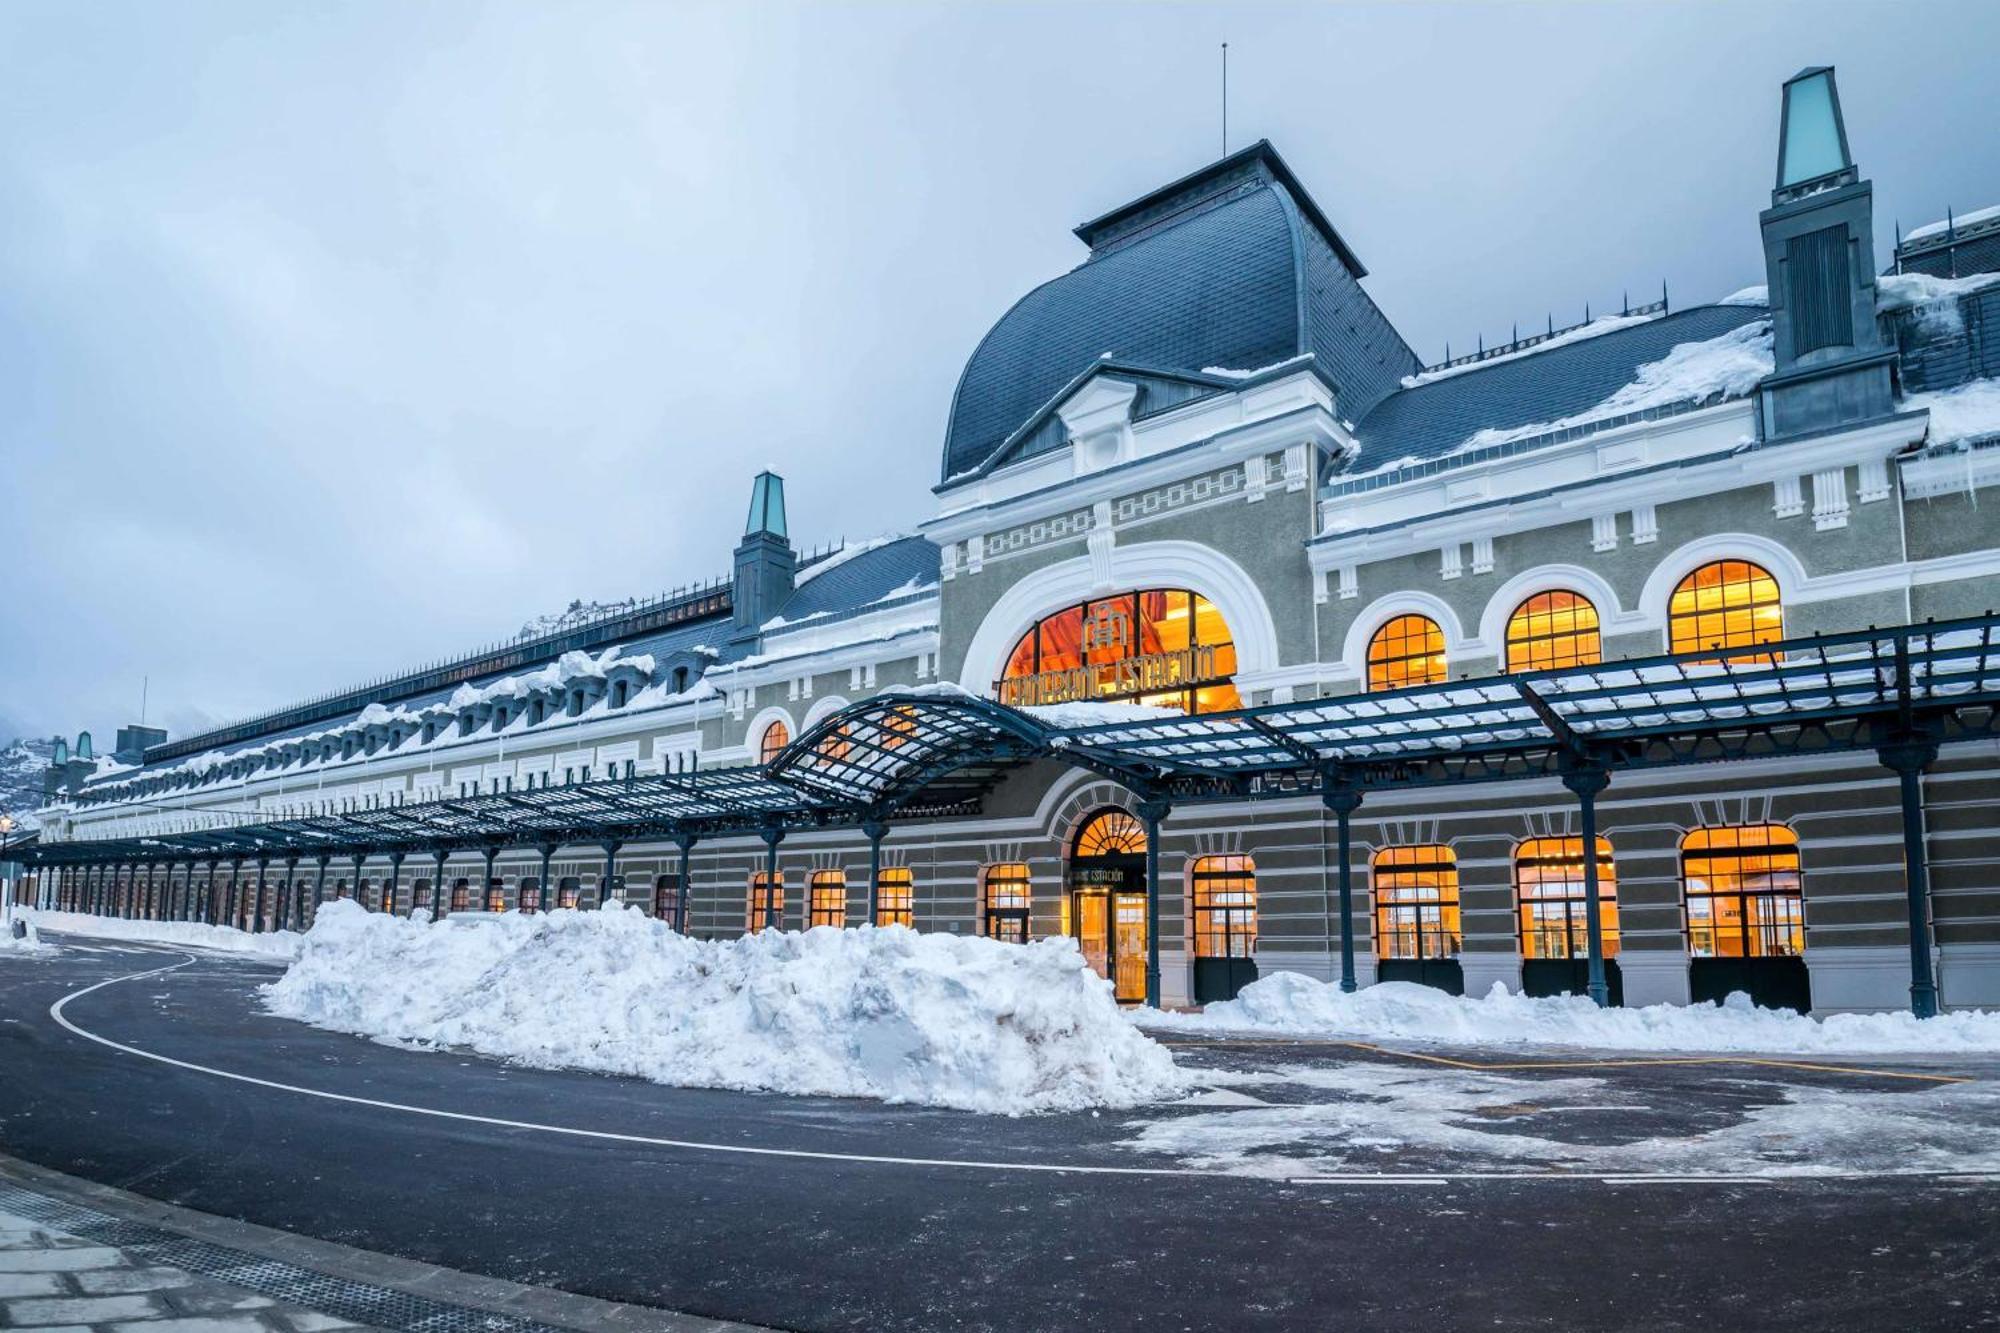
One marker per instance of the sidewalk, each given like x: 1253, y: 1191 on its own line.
x: 77, y: 1257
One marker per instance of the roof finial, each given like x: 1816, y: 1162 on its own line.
x: 1225, y: 99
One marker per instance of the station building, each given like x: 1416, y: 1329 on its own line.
x: 1202, y: 472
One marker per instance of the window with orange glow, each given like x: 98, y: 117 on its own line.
x: 767, y: 901
x: 836, y: 744
x: 1745, y: 896
x: 1416, y: 902
x: 568, y: 889
x: 1225, y: 906
x: 895, y: 897
x: 1163, y: 646
x: 827, y: 890
x: 1548, y: 884
x: 1112, y: 833
x: 1553, y: 629
x: 1408, y: 650
x: 898, y: 727
x: 496, y: 896
x: 1726, y: 604
x: 1006, y: 892
x: 461, y: 895
x: 776, y: 737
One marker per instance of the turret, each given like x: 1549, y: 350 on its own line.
x: 1819, y: 248
x: 765, y: 564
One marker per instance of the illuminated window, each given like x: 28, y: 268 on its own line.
x: 1548, y: 882
x: 827, y: 891
x: 389, y: 896
x: 1553, y: 629
x: 1745, y: 897
x: 1726, y: 604
x: 836, y: 744
x: 496, y: 896
x: 1409, y: 650
x: 767, y: 901
x: 1006, y: 894
x: 898, y: 727
x: 1225, y: 907
x: 776, y: 737
x: 666, y: 896
x: 1416, y: 902
x: 895, y: 894
x: 461, y: 895
x: 1163, y: 646
x: 531, y: 896
x: 340, y: 888
x: 420, y: 895
x: 568, y: 888
x: 1112, y: 833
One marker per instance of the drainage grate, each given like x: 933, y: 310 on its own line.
x: 357, y: 1302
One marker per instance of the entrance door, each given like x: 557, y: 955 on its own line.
x: 1092, y: 914
x: 1128, y: 948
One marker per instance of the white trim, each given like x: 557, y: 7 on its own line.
x: 831, y: 703
x: 1783, y: 564
x: 753, y: 736
x: 1354, y: 653
x: 1611, y: 618
x: 1158, y: 564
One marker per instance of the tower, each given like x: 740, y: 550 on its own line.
x: 765, y: 564
x: 1819, y: 264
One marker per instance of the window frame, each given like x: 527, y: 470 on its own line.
x: 1232, y: 872
x: 1698, y: 844
x: 895, y: 897
x: 1549, y: 648
x: 1009, y: 923
x: 1566, y: 852
x: 1447, y: 905
x: 1377, y: 661
x: 1727, y: 647
x: 821, y: 909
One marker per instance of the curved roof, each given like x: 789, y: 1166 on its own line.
x: 1225, y: 268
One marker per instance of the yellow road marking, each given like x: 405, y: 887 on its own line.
x: 1623, y: 1063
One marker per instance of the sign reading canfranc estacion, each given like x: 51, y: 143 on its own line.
x: 1148, y: 673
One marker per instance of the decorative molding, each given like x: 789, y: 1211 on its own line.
x: 1787, y: 501
x: 1874, y: 480
x: 1604, y: 532
x: 1354, y: 651
x: 1349, y: 587
x: 1829, y: 499
x: 1482, y: 555
x: 1645, y: 525
x: 1450, y: 556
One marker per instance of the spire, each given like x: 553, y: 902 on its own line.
x: 1812, y: 139
x: 767, y: 506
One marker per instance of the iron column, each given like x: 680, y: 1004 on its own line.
x: 394, y: 883
x: 608, y: 887
x: 1343, y: 798
x: 1908, y: 758
x: 544, y: 899
x: 875, y: 830
x: 772, y: 835
x: 257, y: 920
x: 681, y: 888
x: 486, y: 884
x: 1150, y: 814
x: 1587, y: 780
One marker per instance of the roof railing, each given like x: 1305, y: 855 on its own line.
x: 1520, y: 344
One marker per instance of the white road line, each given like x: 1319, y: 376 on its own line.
x: 1041, y: 1168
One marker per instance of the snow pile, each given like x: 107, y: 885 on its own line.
x: 1963, y: 413
x: 190, y: 934
x: 886, y: 1013
x: 282, y: 944
x: 29, y: 943
x: 1090, y: 713
x: 1405, y: 1011
x: 574, y: 616
x: 1943, y: 225
x: 1900, y: 291
x: 1758, y: 295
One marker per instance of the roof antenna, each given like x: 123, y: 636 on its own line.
x: 145, y: 684
x: 1225, y: 99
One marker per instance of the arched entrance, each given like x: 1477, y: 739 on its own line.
x: 1107, y: 899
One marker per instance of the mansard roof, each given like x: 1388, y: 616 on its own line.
x: 1232, y: 267
x: 879, y: 575
x: 1435, y: 418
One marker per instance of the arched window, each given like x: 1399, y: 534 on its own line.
x: 1548, y: 882
x: 1745, y: 897
x: 389, y: 896
x: 895, y: 891
x: 568, y: 889
x: 1408, y: 650
x: 496, y: 895
x: 1162, y: 646
x: 461, y: 895
x: 827, y: 893
x: 420, y: 894
x: 531, y: 896
x: 1553, y: 629
x: 1112, y: 833
x: 666, y: 896
x: 1225, y: 906
x: 1726, y: 604
x: 340, y: 888
x: 776, y: 737
x: 767, y: 901
x: 1006, y: 892
x: 1416, y: 902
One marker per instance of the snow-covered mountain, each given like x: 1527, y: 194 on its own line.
x: 21, y: 767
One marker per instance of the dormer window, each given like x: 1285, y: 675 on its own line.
x: 618, y: 692
x: 537, y: 709
x: 680, y: 680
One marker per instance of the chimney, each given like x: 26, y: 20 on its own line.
x: 765, y: 564
x: 135, y: 740
x: 1819, y: 264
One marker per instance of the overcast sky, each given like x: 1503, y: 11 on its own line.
x: 334, y: 338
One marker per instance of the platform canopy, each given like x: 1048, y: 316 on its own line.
x: 938, y: 751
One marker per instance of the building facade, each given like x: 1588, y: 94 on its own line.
x: 1200, y: 472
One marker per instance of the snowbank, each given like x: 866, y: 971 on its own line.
x: 1966, y: 412
x: 29, y: 944
x: 1405, y: 1011
x: 192, y: 934
x: 885, y: 1013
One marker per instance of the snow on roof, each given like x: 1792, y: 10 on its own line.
x: 1597, y: 328
x: 1900, y: 291
x: 845, y: 552
x: 1758, y: 295
x: 1939, y: 227
x: 1967, y: 412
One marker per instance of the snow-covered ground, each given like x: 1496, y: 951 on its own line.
x: 886, y: 1013
x: 1401, y: 1011
x: 30, y: 943
x: 192, y: 934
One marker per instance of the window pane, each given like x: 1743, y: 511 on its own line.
x: 1409, y: 650
x: 1553, y: 629
x: 1416, y: 902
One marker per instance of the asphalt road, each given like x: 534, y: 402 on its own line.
x: 809, y: 1229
